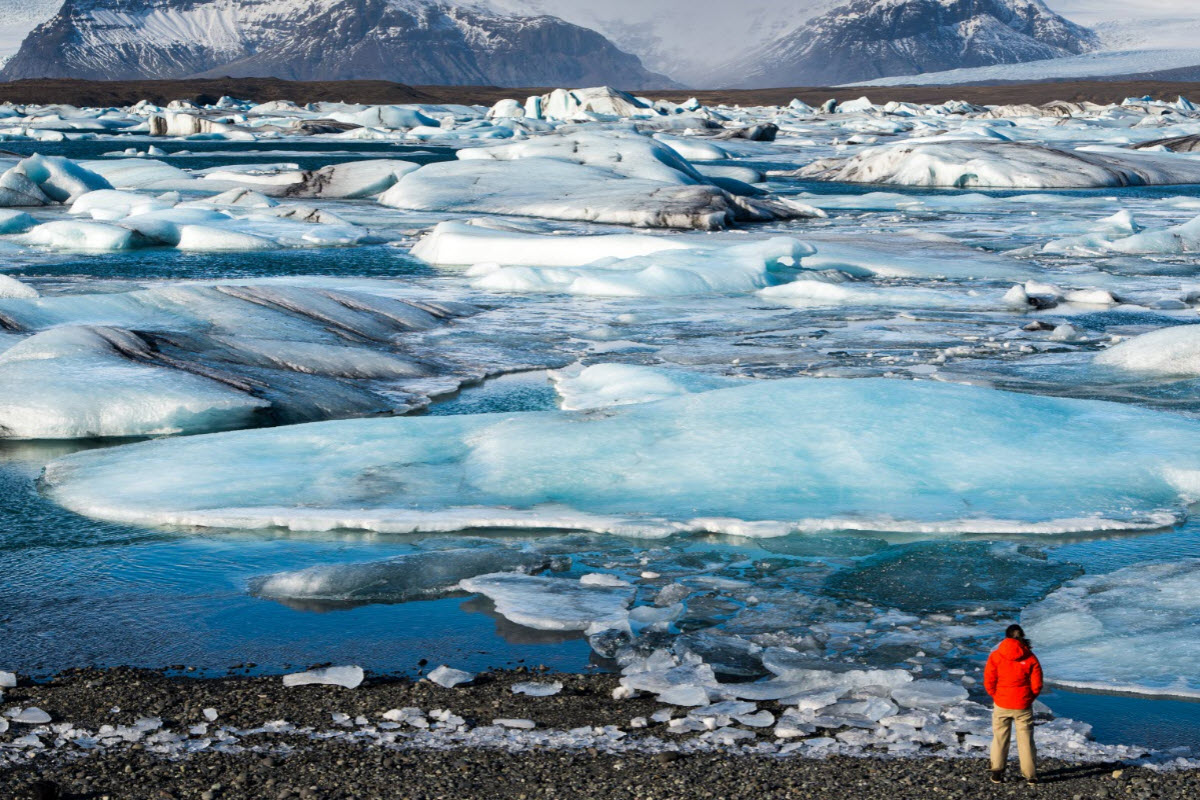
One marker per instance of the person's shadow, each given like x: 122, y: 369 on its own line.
x: 1079, y: 771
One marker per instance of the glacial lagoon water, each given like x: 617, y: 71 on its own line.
x: 81, y: 591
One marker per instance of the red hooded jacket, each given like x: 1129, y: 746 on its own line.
x: 1013, y: 676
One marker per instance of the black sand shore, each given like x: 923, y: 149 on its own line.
x: 307, y: 767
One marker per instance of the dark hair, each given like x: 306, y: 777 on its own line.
x: 1018, y: 633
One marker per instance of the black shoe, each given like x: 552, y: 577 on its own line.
x: 1031, y: 781
x: 997, y: 777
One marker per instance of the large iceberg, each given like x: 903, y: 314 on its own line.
x: 85, y: 382
x: 625, y: 179
x: 1002, y: 165
x: 187, y: 358
x: 1133, y: 630
x: 764, y: 459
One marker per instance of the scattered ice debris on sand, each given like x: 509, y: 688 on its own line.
x: 856, y: 717
x: 921, y: 453
x: 537, y: 688
x: 448, y: 677
x: 1134, y: 630
x: 348, y: 677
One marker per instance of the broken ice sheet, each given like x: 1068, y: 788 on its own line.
x: 555, y: 604
x: 952, y: 576
x: 1134, y: 630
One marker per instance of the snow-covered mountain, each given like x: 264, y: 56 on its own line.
x: 681, y: 38
x: 411, y: 41
x: 867, y: 39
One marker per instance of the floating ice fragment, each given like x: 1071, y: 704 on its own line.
x: 7, y: 679
x: 602, y: 579
x: 76, y: 235
x: 1167, y: 351
x: 60, y: 178
x: 703, y: 268
x: 349, y: 677
x: 448, y: 677
x: 463, y: 244
x: 14, y: 221
x: 406, y: 577
x: 606, y: 385
x: 558, y: 604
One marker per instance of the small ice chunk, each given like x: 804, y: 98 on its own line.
x: 7, y: 679
x: 28, y: 716
x: 521, y: 724
x: 929, y: 694
x: 536, y: 689
x: 602, y: 579
x: 759, y: 719
x: 728, y: 708
x: 448, y: 677
x: 728, y: 736
x: 349, y: 677
x: 1065, y: 332
x: 210, y: 714
x: 685, y: 695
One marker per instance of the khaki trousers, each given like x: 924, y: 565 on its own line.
x: 1003, y: 721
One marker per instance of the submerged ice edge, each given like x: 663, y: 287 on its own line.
x: 456, y: 519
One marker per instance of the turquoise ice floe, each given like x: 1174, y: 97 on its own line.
x: 764, y: 459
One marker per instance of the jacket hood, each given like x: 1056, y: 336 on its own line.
x: 1013, y: 650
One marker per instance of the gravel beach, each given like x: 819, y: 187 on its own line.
x: 315, y: 759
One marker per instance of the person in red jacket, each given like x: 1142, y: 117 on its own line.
x: 1013, y: 678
